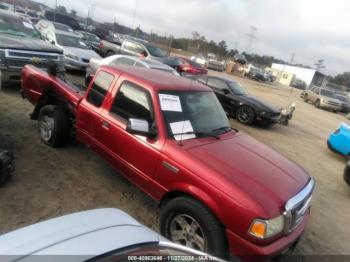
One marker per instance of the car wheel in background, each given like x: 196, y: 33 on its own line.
x: 318, y: 103
x: 245, y: 115
x: 109, y: 53
x: 6, y: 166
x: 186, y: 221
x: 53, y: 126
x: 306, y: 100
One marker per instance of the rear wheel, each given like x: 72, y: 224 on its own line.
x: 53, y: 126
x: 188, y: 222
x: 318, y: 103
x: 306, y: 100
x: 245, y: 115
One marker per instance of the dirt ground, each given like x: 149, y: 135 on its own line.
x: 52, y: 182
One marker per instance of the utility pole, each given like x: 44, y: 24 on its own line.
x: 54, y: 14
x: 251, y: 37
x: 134, y: 14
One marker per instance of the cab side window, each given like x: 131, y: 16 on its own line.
x: 99, y: 88
x: 124, y: 61
x: 133, y: 101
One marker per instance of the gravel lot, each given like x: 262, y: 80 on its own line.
x: 52, y: 182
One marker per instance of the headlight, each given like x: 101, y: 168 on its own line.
x: 267, y: 228
x: 61, y: 58
x: 2, y: 53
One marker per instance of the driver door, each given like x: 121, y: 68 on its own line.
x: 221, y: 88
x: 136, y: 156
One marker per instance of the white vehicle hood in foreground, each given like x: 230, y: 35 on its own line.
x: 81, y: 53
x: 87, y: 234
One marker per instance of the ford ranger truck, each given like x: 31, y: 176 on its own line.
x: 219, y: 190
x: 21, y: 44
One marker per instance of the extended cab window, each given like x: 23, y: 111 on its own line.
x: 99, y: 88
x: 133, y: 102
x: 124, y: 61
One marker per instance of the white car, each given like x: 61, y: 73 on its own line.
x: 76, y: 53
x: 100, y: 234
x: 125, y: 60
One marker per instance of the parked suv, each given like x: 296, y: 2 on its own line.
x: 323, y: 98
x: 20, y: 44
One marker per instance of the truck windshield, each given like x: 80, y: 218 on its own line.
x: 71, y: 41
x: 17, y: 26
x: 189, y: 114
x: 155, y: 51
x: 327, y: 93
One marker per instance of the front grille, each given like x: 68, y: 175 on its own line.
x: 30, y: 55
x: 17, y: 63
x: 17, y: 59
x: 297, y: 207
x: 333, y: 103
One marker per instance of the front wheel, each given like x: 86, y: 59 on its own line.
x: 245, y: 115
x: 53, y: 126
x: 187, y: 222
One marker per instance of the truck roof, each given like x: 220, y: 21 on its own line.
x: 157, y: 79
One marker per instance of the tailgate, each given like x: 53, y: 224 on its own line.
x: 36, y: 81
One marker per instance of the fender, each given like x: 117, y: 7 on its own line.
x: 195, y: 192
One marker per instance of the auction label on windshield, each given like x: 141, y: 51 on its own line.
x: 170, y: 103
x: 179, y: 130
x: 28, y: 25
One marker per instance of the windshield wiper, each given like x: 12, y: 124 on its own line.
x: 200, y: 134
x: 224, y: 128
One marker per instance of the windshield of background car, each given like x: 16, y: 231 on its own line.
x: 192, y: 63
x: 63, y: 27
x: 71, y: 41
x: 191, y: 111
x: 327, y: 93
x: 14, y: 25
x: 92, y: 38
x: 237, y: 89
x: 155, y: 51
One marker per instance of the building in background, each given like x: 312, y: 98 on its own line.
x: 309, y: 75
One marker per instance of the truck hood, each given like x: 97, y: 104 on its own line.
x: 258, y: 103
x: 23, y: 43
x: 266, y: 176
x: 81, y: 53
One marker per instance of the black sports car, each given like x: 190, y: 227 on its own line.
x: 246, y: 108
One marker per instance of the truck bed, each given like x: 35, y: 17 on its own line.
x: 36, y: 81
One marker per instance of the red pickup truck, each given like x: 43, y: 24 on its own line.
x: 219, y: 190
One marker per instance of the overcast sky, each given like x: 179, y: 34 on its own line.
x: 312, y: 29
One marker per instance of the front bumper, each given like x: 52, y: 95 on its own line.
x: 10, y: 75
x: 331, y: 107
x: 75, y: 64
x: 248, y: 251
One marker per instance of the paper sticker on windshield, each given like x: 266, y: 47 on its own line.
x: 170, y: 103
x: 82, y: 43
x: 28, y: 25
x: 179, y: 130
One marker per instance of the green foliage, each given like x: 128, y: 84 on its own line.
x: 341, y: 79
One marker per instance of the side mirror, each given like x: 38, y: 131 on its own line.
x: 226, y: 91
x: 139, y: 127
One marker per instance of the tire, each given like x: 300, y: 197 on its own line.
x: 317, y: 103
x: 109, y: 53
x: 53, y: 126
x: 306, y: 100
x: 6, y: 166
x: 193, y: 222
x: 245, y: 115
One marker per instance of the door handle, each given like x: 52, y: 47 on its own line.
x: 105, y: 125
